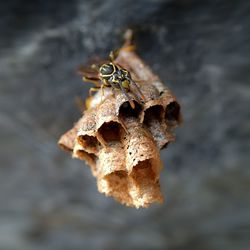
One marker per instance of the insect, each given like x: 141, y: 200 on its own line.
x: 111, y: 74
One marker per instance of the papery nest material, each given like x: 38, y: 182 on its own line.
x: 120, y: 144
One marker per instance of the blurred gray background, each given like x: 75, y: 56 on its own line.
x: 201, y: 49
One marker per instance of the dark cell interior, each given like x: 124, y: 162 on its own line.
x: 90, y: 158
x: 82, y: 154
x: 152, y: 113
x: 110, y: 131
x: 87, y: 141
x: 172, y: 112
x: 64, y: 147
x: 121, y: 174
x: 127, y: 111
x: 143, y: 170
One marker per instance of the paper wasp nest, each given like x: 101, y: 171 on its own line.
x: 120, y: 144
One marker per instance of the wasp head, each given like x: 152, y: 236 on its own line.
x: 115, y: 74
x: 107, y: 70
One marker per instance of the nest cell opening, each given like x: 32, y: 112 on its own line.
x: 83, y: 155
x: 118, y: 187
x: 111, y: 131
x: 154, y: 113
x: 117, y: 181
x: 127, y: 111
x: 88, y: 141
x: 119, y: 173
x: 143, y: 171
x: 172, y: 113
x: 65, y: 147
x: 165, y: 145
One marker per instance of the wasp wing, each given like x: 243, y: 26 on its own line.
x: 91, y: 68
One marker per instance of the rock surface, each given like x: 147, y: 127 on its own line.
x: 201, y: 49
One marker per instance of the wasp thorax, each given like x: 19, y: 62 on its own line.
x: 107, y: 70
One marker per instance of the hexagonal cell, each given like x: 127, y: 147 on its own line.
x: 172, y: 113
x: 67, y: 140
x: 152, y: 113
x: 143, y: 171
x: 154, y: 121
x: 110, y: 131
x: 88, y: 142
x: 65, y: 147
x: 88, y: 157
x: 126, y: 110
x: 145, y: 188
x: 116, y: 185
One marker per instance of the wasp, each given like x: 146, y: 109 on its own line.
x: 111, y: 75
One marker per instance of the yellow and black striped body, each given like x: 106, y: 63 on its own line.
x: 113, y: 75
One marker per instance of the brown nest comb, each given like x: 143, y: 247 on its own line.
x: 120, y: 144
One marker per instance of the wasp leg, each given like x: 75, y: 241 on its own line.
x: 95, y: 81
x: 137, y: 89
x: 131, y: 102
x: 102, y: 90
x: 113, y: 92
x: 113, y: 87
x: 88, y: 102
x: 95, y: 89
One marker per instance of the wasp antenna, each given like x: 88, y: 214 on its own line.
x: 131, y: 102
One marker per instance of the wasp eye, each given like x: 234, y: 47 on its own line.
x: 106, y: 69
